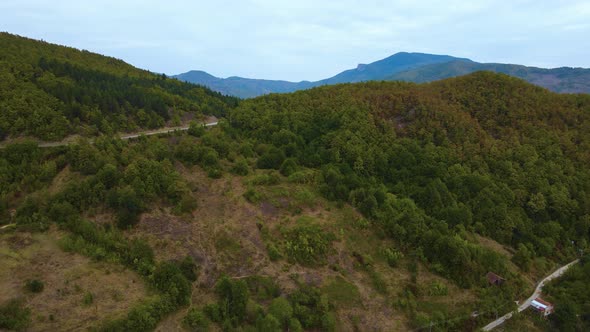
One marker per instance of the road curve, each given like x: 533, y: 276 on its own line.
x: 556, y: 274
x: 126, y: 136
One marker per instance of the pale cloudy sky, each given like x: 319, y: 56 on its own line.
x: 306, y: 39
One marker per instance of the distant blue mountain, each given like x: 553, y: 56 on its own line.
x: 413, y: 67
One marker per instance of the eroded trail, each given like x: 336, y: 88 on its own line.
x: 127, y: 136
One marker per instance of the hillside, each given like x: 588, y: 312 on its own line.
x: 377, y: 205
x: 49, y: 91
x: 409, y: 67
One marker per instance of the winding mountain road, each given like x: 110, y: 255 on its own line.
x: 556, y: 274
x: 125, y: 137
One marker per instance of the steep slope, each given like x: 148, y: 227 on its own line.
x: 565, y: 79
x: 50, y: 91
x: 379, y: 70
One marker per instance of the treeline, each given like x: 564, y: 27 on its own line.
x: 48, y: 91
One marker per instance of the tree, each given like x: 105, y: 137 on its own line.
x: 268, y: 324
x: 196, y: 129
x: 523, y: 257
x: 271, y: 159
x: 565, y: 316
x: 168, y: 278
x: 233, y: 298
x: 281, y: 309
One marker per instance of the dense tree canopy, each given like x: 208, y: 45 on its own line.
x: 49, y: 91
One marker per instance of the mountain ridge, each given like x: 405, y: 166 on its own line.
x: 403, y: 66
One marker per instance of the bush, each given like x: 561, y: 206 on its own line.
x: 169, y: 279
x: 34, y: 286
x: 88, y: 299
x: 215, y: 173
x: 273, y: 253
x: 265, y: 179
x: 213, y: 312
x: 437, y: 288
x: 189, y: 268
x: 263, y: 288
x: 288, y: 167
x: 241, y: 167
x: 305, y: 177
x: 308, y: 244
x: 13, y: 316
x: 252, y: 196
x: 392, y: 256
x: 196, y: 320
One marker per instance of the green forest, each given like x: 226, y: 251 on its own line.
x: 384, y: 188
x: 49, y: 92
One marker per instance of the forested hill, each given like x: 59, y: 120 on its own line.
x: 50, y: 91
x: 486, y: 153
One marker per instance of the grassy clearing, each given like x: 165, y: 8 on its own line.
x: 63, y: 303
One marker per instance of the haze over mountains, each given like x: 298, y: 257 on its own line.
x: 403, y: 66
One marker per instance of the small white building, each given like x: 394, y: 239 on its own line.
x: 542, y: 306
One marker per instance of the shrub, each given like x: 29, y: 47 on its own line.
x: 34, y: 286
x: 88, y: 299
x: 393, y: 256
x: 308, y: 244
x: 288, y: 167
x: 241, y: 167
x: 265, y: 179
x: 213, y: 312
x: 252, y: 196
x: 305, y: 177
x: 263, y: 288
x: 437, y: 288
x: 13, y: 316
x: 196, y: 320
x: 273, y: 253
x: 189, y: 268
x: 215, y: 173
x: 169, y: 279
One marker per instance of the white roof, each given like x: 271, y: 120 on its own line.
x: 539, y: 305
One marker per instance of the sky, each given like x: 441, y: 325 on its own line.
x: 306, y: 39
